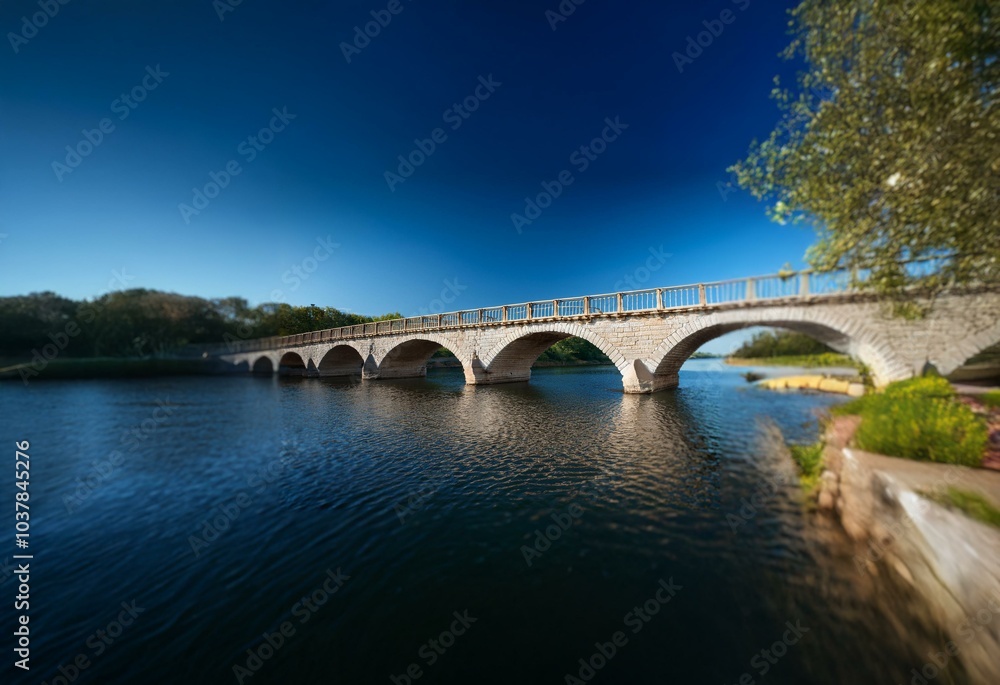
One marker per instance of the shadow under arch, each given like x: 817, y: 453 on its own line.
x: 408, y: 359
x: 291, y: 364
x: 263, y: 366
x: 959, y: 361
x: 511, y: 359
x: 341, y: 360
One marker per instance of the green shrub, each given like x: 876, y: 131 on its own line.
x: 924, y: 428
x: 990, y: 399
x: 809, y: 459
x: 923, y: 386
x: 919, y: 419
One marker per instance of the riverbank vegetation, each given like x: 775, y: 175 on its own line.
x: 788, y: 348
x: 141, y: 323
x: 808, y: 361
x: 574, y: 350
x: 809, y: 460
x: 971, y: 504
x: 920, y: 419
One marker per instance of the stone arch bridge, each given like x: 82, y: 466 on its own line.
x: 647, y: 334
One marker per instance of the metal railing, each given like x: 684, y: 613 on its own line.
x: 782, y: 286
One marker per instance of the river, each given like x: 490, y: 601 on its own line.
x: 178, y: 523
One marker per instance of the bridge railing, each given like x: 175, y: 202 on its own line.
x: 781, y: 286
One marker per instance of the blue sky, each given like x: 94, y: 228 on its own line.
x: 211, y: 77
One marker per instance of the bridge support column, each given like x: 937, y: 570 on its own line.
x: 476, y: 374
x: 638, y: 379
x: 370, y: 370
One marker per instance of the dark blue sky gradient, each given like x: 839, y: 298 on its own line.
x: 324, y: 174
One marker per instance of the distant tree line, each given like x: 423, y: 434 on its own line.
x: 143, y: 322
x: 779, y: 344
x: 574, y: 349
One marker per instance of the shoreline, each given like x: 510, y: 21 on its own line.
x: 950, y: 559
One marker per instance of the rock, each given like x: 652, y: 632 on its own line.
x: 826, y: 500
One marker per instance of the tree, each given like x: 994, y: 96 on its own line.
x: 766, y: 344
x: 890, y: 142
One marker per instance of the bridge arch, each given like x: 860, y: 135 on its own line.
x: 262, y: 366
x: 341, y: 360
x: 292, y: 364
x: 850, y: 337
x: 964, y: 348
x: 408, y: 358
x: 510, y: 359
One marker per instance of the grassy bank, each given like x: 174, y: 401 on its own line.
x: 971, y: 504
x: 920, y: 419
x: 808, y: 361
x: 105, y: 367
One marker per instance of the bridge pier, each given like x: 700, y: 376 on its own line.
x: 477, y: 374
x: 637, y: 379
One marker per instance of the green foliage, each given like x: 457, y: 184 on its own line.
x: 809, y: 361
x: 888, y: 141
x: 919, y: 419
x: 922, y: 386
x: 779, y: 344
x: 139, y: 322
x: 574, y: 349
x: 809, y: 459
x: 990, y: 399
x: 971, y: 504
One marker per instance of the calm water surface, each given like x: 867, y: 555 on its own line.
x: 230, y: 499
